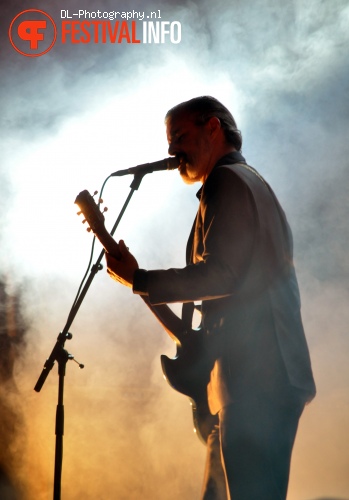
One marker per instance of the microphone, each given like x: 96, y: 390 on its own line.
x: 147, y: 168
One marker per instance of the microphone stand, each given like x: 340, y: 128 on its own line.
x: 62, y: 356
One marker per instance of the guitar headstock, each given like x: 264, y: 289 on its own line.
x: 89, y: 208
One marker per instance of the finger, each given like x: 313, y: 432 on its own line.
x: 122, y: 245
x: 123, y: 248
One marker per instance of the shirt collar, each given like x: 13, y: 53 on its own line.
x: 229, y: 159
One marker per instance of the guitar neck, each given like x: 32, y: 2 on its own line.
x: 168, y: 319
x: 108, y: 242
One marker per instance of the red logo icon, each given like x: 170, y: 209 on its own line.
x: 32, y: 33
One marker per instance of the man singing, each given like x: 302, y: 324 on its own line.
x: 240, y: 265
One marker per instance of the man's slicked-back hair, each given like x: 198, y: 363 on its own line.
x: 205, y: 107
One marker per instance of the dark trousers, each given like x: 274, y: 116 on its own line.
x: 249, y: 452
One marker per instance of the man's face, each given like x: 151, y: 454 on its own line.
x: 191, y: 144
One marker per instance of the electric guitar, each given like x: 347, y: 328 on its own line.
x: 188, y: 372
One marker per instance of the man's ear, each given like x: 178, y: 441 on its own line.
x: 214, y: 124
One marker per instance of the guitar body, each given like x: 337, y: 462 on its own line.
x: 187, y: 373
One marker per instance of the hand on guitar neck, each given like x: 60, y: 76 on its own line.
x: 121, y: 267
x: 121, y: 264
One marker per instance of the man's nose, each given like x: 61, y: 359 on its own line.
x: 172, y: 150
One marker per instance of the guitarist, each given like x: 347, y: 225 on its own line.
x: 239, y: 264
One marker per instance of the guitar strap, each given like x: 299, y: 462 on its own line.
x: 187, y: 314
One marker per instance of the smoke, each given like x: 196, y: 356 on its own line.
x: 12, y: 340
x: 73, y: 116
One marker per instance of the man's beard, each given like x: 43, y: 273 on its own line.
x: 188, y: 175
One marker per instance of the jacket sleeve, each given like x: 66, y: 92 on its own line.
x: 224, y: 238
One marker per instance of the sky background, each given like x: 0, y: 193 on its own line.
x: 81, y: 111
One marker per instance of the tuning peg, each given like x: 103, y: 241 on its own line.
x: 88, y: 229
x: 100, y: 201
x: 79, y: 213
x: 84, y: 221
x: 105, y: 209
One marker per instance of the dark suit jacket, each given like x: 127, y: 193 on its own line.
x: 239, y: 264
